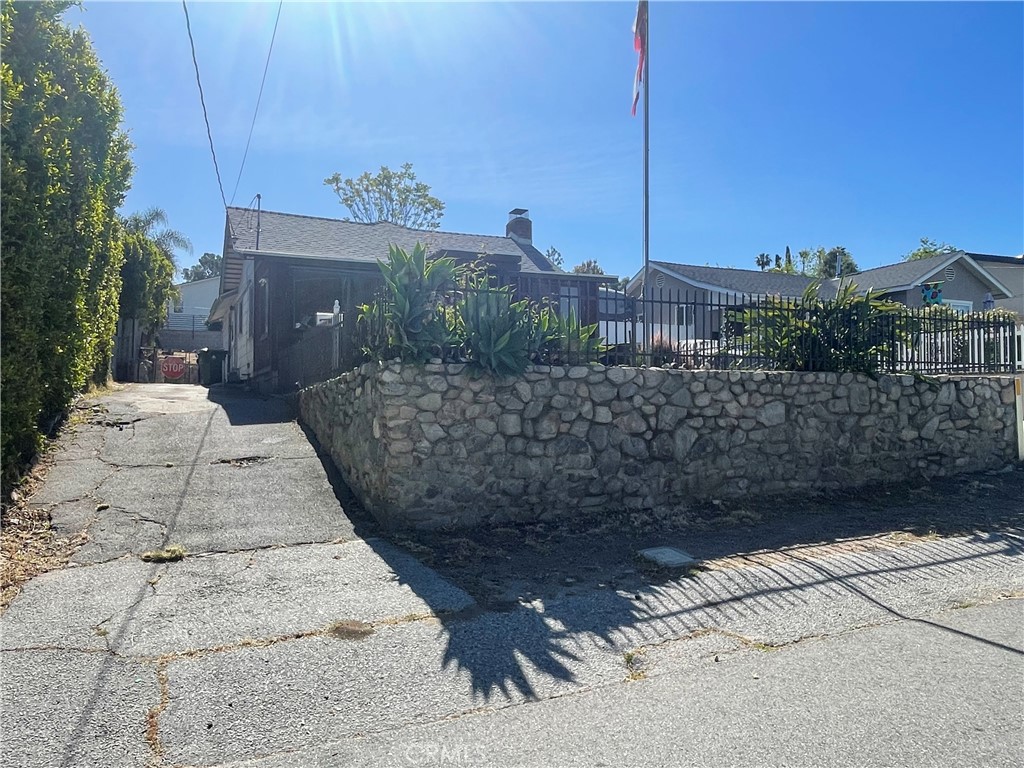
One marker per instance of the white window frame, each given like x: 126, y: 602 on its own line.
x: 569, y: 300
x: 964, y: 307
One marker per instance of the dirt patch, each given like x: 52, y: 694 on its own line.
x: 350, y: 629
x: 28, y: 543
x: 509, y: 564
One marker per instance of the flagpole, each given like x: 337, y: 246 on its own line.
x: 648, y: 328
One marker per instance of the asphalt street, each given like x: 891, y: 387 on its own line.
x: 294, y: 634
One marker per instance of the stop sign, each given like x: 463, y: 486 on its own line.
x: 172, y: 367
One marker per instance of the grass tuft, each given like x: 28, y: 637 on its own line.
x: 169, y: 554
x: 635, y: 664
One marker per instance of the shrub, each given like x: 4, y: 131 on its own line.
x: 853, y: 332
x: 435, y: 308
x: 65, y: 170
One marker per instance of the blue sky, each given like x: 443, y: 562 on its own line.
x: 868, y: 125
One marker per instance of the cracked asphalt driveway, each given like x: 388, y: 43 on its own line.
x: 243, y: 652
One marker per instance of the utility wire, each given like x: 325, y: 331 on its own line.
x: 202, y: 100
x: 258, y: 99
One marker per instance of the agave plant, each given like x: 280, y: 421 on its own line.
x: 497, y: 330
x: 562, y: 339
x: 410, y: 320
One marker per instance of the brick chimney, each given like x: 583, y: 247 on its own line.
x: 519, y: 226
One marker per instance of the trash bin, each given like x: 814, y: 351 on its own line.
x: 211, y: 366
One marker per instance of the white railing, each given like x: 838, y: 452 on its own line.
x: 188, y: 319
x: 998, y: 347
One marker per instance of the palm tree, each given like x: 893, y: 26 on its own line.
x: 147, y: 275
x: 166, y: 239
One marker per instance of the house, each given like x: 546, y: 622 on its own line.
x: 283, y: 273
x: 185, y: 328
x: 1009, y: 270
x: 688, y: 300
x: 966, y: 285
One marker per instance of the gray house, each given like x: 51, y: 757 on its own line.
x: 689, y: 299
x: 1009, y: 270
x: 284, y: 273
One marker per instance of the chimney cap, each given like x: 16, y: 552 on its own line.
x: 516, y: 212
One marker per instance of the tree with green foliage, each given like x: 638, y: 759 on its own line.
x: 784, y: 265
x: 394, y: 196
x: 147, y: 281
x: 152, y: 224
x: 65, y: 171
x: 821, y: 263
x: 763, y: 261
x: 209, y: 266
x: 588, y: 267
x: 147, y: 276
x: 555, y: 257
x: 929, y: 248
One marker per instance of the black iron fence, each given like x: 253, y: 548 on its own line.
x: 690, y: 330
x: 320, y: 353
x: 671, y: 329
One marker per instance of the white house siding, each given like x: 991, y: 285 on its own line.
x: 238, y: 328
x: 192, y: 308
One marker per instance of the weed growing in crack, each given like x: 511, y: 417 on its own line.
x: 635, y: 664
x: 169, y: 554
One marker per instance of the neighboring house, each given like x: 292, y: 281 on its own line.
x: 282, y: 274
x: 1009, y: 270
x: 185, y: 328
x: 687, y: 297
x: 965, y: 284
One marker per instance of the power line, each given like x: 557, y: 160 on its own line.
x: 202, y: 100
x: 259, y: 98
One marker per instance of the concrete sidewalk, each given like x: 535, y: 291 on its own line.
x: 236, y: 653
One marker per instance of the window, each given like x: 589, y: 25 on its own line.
x: 961, y: 306
x: 684, y: 315
x: 569, y: 301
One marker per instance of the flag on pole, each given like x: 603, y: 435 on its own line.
x: 640, y: 46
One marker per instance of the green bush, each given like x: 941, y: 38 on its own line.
x: 853, y: 332
x: 65, y: 170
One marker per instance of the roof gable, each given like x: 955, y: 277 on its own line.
x: 909, y: 274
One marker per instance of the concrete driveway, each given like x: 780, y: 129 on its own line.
x: 292, y: 634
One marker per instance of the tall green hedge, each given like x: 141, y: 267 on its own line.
x: 65, y: 171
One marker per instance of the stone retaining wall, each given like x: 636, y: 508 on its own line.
x: 433, y: 445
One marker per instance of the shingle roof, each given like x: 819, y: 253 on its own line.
x: 351, y: 241
x: 742, y: 280
x: 993, y: 258
x: 749, y: 281
x: 898, y: 275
